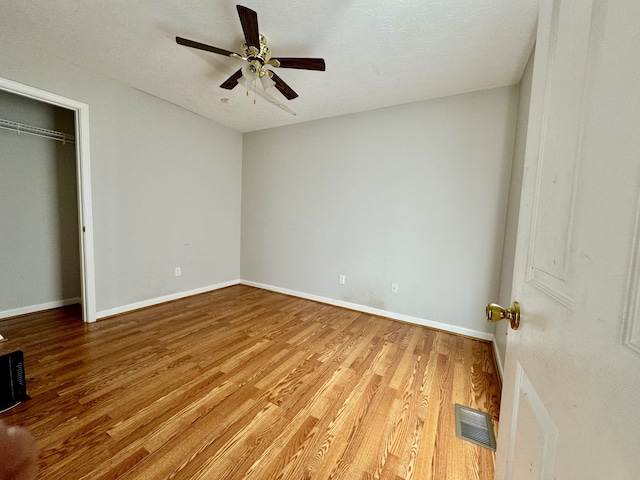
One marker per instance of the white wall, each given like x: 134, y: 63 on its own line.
x: 165, y: 184
x: 513, y: 210
x: 39, y: 238
x: 414, y: 194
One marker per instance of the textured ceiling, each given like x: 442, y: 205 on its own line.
x: 378, y: 52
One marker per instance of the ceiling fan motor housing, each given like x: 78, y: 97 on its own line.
x: 251, y: 53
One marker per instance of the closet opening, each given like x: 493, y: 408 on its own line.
x: 47, y: 230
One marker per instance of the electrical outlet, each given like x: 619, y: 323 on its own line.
x: 178, y: 272
x: 343, y: 279
x: 394, y: 288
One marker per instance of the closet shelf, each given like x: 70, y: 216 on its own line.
x: 40, y: 132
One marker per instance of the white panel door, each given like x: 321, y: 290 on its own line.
x: 571, y: 393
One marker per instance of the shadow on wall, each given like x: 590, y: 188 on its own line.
x: 68, y: 221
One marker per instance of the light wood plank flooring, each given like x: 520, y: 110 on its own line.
x: 242, y: 383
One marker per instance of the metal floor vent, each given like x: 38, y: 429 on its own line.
x: 475, y: 426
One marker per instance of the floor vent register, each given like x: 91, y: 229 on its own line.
x: 475, y: 426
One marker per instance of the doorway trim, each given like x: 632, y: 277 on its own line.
x: 83, y: 167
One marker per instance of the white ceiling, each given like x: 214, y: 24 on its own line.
x: 378, y: 52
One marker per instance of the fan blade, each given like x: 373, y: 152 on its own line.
x: 285, y: 89
x: 232, y: 81
x: 301, y: 63
x: 249, y: 21
x: 271, y: 99
x: 201, y: 46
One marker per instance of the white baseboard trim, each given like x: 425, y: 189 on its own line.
x: 374, y: 311
x: 167, y: 298
x: 38, y: 308
x: 498, y: 359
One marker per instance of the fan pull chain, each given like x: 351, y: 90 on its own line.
x: 254, y: 91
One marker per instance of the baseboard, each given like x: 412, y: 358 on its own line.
x: 167, y: 298
x: 38, y: 308
x: 374, y: 311
x: 496, y: 354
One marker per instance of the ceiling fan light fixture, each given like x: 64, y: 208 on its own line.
x: 267, y: 81
x: 250, y: 72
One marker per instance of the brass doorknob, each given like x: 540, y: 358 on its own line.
x: 495, y: 313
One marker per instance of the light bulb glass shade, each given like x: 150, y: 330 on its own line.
x: 267, y: 81
x: 243, y: 81
x: 250, y: 72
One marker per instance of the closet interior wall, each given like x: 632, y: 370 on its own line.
x: 39, y: 234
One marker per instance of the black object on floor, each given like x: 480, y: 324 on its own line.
x: 13, y: 384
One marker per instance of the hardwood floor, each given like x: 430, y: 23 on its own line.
x: 242, y: 383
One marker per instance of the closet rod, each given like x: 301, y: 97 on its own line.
x: 40, y: 132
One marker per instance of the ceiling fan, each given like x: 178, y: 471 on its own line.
x: 258, y: 57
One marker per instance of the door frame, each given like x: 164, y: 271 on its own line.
x: 83, y: 168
